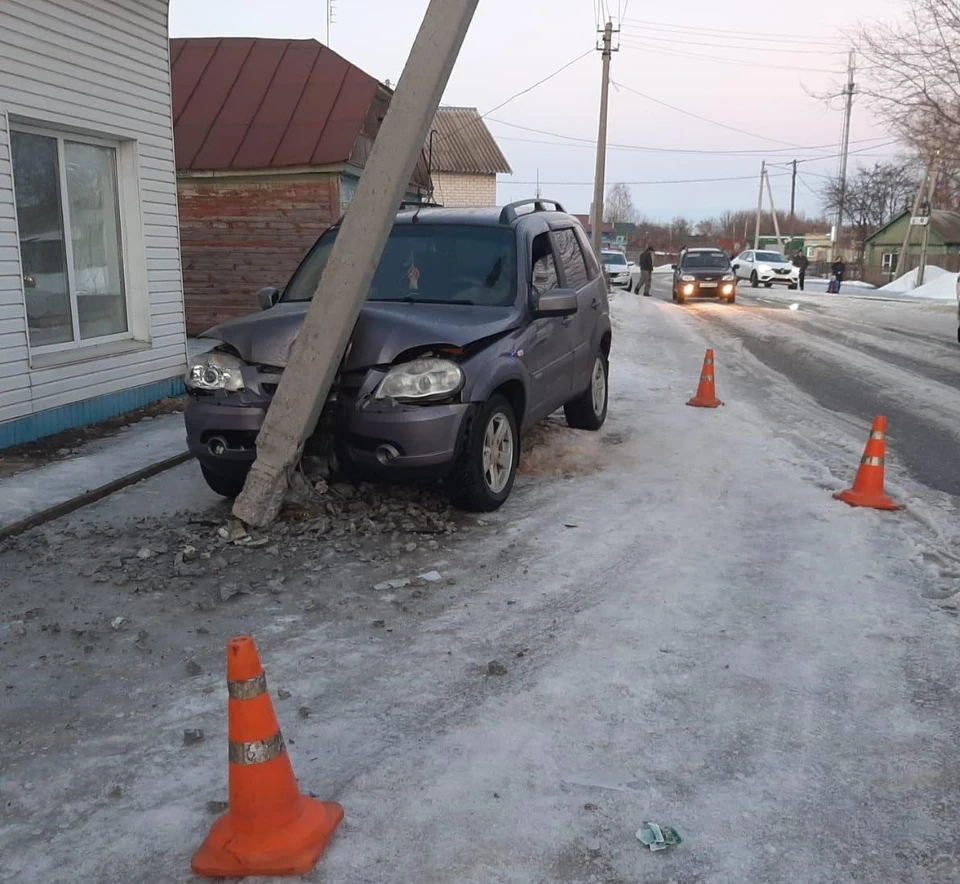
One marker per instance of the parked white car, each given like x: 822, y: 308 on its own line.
x: 766, y: 268
x: 616, y: 267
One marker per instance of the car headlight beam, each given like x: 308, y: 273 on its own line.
x: 215, y: 371
x: 421, y: 380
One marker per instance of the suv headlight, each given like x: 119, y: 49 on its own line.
x: 421, y: 380
x: 215, y: 371
x: 729, y: 277
x: 686, y: 278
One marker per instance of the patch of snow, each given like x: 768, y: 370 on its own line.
x: 939, y: 285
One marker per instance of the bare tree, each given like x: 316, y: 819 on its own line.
x: 873, y: 196
x: 620, y: 207
x: 910, y: 71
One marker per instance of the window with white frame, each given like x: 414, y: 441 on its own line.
x: 888, y: 260
x: 71, y: 243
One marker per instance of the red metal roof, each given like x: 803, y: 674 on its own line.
x: 242, y: 103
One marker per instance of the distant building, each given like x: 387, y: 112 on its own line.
x: 271, y: 138
x: 882, y: 249
x: 608, y: 233
x: 464, y: 159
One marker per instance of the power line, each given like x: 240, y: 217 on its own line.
x: 640, y: 183
x: 750, y: 64
x: 665, y: 37
x: 687, y: 113
x: 579, y: 141
x: 559, y: 70
x: 740, y: 35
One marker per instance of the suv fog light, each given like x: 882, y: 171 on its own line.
x: 688, y: 289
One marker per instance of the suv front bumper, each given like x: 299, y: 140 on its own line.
x: 382, y: 438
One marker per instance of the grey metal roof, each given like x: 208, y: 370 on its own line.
x: 946, y: 225
x: 463, y: 144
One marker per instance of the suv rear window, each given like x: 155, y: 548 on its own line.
x: 428, y: 264
x: 706, y: 260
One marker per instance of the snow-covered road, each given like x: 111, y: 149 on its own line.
x: 694, y: 632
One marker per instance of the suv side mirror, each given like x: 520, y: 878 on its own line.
x: 268, y: 297
x: 558, y: 302
x: 673, y: 266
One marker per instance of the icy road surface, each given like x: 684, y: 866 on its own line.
x: 694, y: 632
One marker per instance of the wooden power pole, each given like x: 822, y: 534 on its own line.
x: 596, y: 222
x: 327, y: 327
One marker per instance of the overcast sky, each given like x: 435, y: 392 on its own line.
x: 758, y: 70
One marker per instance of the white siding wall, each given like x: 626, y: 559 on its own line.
x: 97, y: 67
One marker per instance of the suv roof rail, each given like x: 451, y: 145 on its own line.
x: 509, y: 214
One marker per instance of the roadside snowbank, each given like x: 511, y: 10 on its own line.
x: 940, y: 285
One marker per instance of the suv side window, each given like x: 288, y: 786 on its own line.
x: 593, y: 265
x: 571, y: 259
x: 544, y: 266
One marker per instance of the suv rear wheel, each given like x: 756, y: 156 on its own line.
x: 589, y: 410
x: 483, y: 476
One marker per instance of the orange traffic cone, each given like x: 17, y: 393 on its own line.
x: 706, y: 393
x: 868, y: 486
x: 270, y: 828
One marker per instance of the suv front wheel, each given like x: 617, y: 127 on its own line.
x: 589, y: 410
x: 484, y: 473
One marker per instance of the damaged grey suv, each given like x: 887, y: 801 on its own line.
x: 478, y: 324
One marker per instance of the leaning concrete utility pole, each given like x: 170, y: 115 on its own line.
x: 596, y: 222
x: 345, y: 282
x: 756, y: 232
x: 903, y: 255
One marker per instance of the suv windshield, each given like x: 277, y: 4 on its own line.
x: 706, y: 260
x: 428, y: 264
x: 772, y: 258
x: 614, y: 258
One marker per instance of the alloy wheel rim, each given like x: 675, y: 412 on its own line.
x: 598, y: 387
x: 497, y: 453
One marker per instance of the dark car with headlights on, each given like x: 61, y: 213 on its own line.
x: 478, y: 324
x: 704, y: 273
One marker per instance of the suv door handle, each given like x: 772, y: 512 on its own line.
x: 595, y: 302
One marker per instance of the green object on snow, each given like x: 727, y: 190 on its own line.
x: 658, y: 837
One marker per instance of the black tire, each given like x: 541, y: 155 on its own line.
x: 731, y: 299
x: 225, y: 486
x: 754, y: 281
x: 768, y: 285
x: 581, y: 413
x: 792, y: 287
x: 673, y: 294
x: 468, y: 486
x: 630, y: 286
x: 679, y: 297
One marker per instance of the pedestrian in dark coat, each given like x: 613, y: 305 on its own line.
x: 837, y: 270
x: 801, y: 261
x: 645, y: 263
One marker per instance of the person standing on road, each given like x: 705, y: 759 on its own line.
x: 645, y: 263
x: 801, y: 261
x: 837, y: 270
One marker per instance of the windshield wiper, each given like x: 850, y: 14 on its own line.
x: 411, y: 299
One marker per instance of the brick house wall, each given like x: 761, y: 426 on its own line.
x: 240, y: 234
x: 456, y: 190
